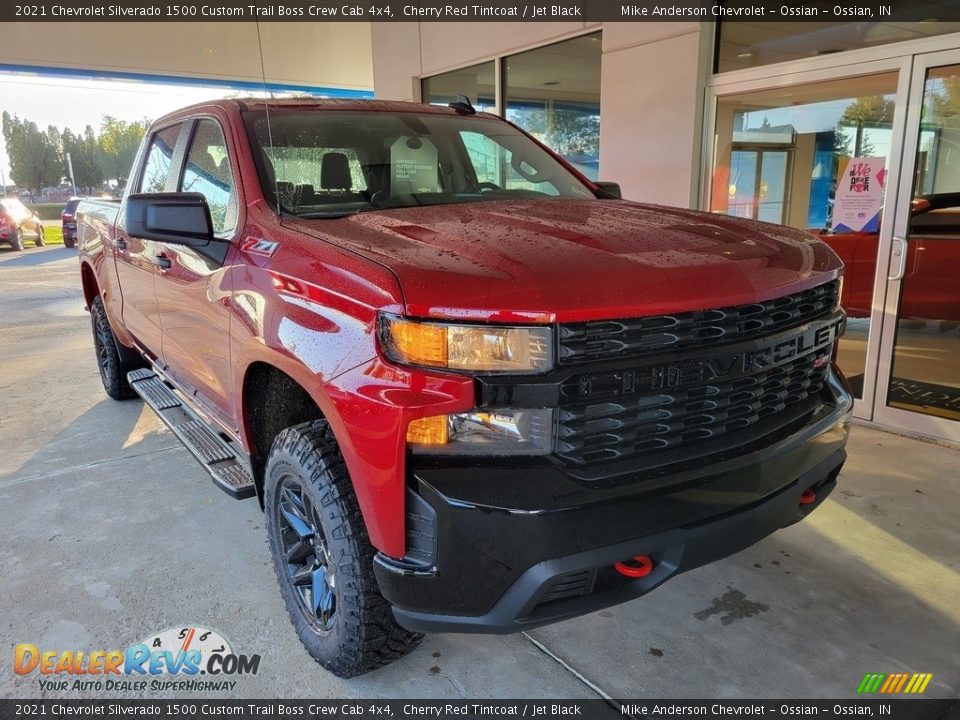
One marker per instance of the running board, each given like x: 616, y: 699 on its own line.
x: 229, y: 472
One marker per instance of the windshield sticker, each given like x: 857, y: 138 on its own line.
x: 413, y: 165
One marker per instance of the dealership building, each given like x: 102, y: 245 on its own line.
x: 849, y: 130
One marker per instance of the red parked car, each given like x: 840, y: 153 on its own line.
x: 931, y: 267
x: 17, y: 224
x: 472, y: 390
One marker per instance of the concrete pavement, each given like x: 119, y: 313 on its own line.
x: 111, y: 531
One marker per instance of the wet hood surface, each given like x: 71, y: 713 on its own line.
x: 569, y: 260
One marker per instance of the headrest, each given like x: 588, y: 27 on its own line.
x: 335, y: 172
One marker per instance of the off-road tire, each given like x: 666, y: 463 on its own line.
x: 113, y: 371
x: 364, y: 635
x: 16, y: 242
x: 40, y: 237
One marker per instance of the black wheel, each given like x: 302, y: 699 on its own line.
x: 113, y: 371
x: 323, y: 557
x: 69, y: 243
x: 16, y: 242
x: 40, y: 236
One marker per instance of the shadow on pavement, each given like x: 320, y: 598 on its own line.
x: 10, y: 258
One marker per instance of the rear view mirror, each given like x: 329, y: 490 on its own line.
x: 179, y: 218
x: 608, y: 190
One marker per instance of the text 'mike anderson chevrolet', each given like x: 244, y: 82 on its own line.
x: 473, y: 390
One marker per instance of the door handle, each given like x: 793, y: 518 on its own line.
x: 121, y: 244
x: 898, y: 257
x: 162, y: 260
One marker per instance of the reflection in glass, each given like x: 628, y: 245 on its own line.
x: 157, y: 167
x: 778, y: 158
x: 207, y: 171
x: 925, y: 376
x: 553, y: 93
x: 476, y: 82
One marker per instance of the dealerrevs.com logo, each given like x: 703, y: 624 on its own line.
x: 171, y: 660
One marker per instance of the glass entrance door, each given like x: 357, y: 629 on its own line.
x: 786, y: 154
x: 919, y: 368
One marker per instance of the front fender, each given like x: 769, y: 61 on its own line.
x: 369, y: 408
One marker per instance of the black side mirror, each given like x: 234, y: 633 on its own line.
x: 608, y: 190
x: 180, y: 218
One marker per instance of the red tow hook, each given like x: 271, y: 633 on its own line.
x: 809, y: 497
x: 643, y: 567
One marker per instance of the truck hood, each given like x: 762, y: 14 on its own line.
x: 572, y: 260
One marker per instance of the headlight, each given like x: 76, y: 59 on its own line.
x: 502, y: 431
x: 481, y: 348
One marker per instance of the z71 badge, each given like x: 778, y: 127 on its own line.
x: 259, y: 246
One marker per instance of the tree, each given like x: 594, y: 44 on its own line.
x: 118, y: 142
x: 570, y: 132
x: 55, y: 142
x: 85, y: 156
x: 858, y: 118
x: 34, y: 160
x: 944, y: 102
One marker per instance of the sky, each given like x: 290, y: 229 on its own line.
x: 76, y: 103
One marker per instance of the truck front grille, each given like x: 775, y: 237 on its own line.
x: 638, y: 337
x: 704, y: 399
x: 617, y: 418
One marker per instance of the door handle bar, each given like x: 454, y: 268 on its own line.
x: 898, y: 255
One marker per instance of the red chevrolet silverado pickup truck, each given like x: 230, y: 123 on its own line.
x: 472, y: 390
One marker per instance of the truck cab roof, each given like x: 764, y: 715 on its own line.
x: 317, y: 103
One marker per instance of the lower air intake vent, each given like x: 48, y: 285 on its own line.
x: 570, y: 585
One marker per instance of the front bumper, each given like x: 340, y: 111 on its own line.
x: 504, y: 549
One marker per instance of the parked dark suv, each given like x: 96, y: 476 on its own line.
x: 69, y: 220
x: 17, y: 222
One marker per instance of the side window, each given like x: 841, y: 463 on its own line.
x: 207, y: 171
x: 159, y: 158
x: 486, y: 156
x: 492, y: 164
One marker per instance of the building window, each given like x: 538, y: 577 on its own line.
x: 477, y: 82
x: 778, y: 151
x: 743, y: 44
x: 553, y: 93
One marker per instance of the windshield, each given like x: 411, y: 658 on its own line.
x: 14, y: 207
x: 327, y: 164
